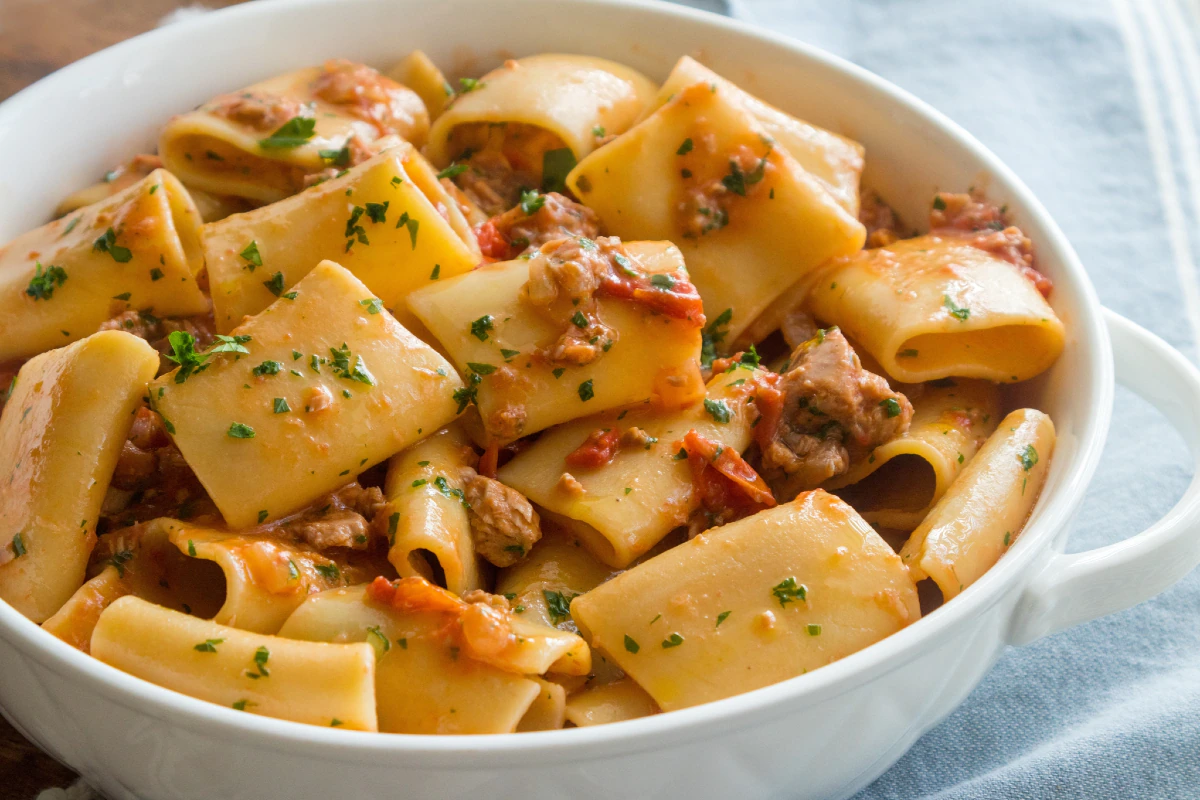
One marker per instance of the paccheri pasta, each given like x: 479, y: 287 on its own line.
x: 548, y: 397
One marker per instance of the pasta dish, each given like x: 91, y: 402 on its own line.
x: 548, y: 398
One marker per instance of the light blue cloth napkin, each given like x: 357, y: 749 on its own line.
x: 1094, y: 104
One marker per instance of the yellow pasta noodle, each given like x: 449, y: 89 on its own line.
x: 751, y: 603
x: 262, y: 142
x: 548, y: 710
x: 983, y: 512
x: 328, y: 372
x: 419, y: 73
x: 432, y: 532
x: 140, y: 248
x: 935, y: 306
x: 483, y: 318
x: 558, y: 568
x: 311, y: 682
x: 701, y: 171
x: 571, y: 97
x: 381, y: 221
x: 610, y: 702
x: 897, y: 485
x: 424, y: 683
x: 836, y: 161
x: 622, y: 509
x: 60, y: 435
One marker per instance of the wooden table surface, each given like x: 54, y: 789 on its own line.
x: 36, y: 38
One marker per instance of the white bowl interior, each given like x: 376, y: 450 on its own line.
x: 67, y: 130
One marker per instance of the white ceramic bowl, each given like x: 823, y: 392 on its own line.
x: 822, y: 735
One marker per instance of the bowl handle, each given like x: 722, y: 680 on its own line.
x: 1075, y: 588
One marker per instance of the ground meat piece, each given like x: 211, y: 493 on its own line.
x: 985, y: 226
x: 492, y: 184
x: 503, y: 523
x: 554, y: 216
x: 386, y: 104
x: 834, y: 413
x: 569, y: 484
x: 263, y: 112
x: 564, y: 277
x: 344, y: 518
x: 152, y: 479
x: 881, y: 221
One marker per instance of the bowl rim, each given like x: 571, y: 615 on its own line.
x: 491, y: 751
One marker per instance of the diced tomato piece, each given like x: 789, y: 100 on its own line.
x: 597, y: 449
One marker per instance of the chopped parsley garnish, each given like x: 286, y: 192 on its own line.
x: 373, y: 305
x: 191, y: 548
x: 380, y: 642
x: 586, y: 391
x: 262, y: 516
x: 481, y: 326
x: 18, y: 545
x: 737, y: 180
x: 724, y: 615
x: 291, y: 134
x: 261, y: 656
x: 713, y: 335
x: 674, y: 640
x: 183, y: 352
x: 579, y: 320
x: 336, y: 158
x: 531, y: 201
x: 556, y: 165
x: 442, y: 485
x: 909, y: 353
x: 891, y: 406
x: 418, y: 483
x: 684, y: 148
x: 662, y: 281
x: 44, y: 281
x: 208, y: 646
x: 281, y: 406
x: 939, y: 203
x: 625, y: 264
x: 275, y: 284
x: 1028, y: 457
x: 465, y: 396
x: 393, y: 524
x: 343, y: 368
x: 293, y: 571
x: 329, y: 572
x: 252, y: 256
x: 631, y: 645
x: 240, y: 705
x: 123, y: 296
x: 452, y: 171
x: 469, y: 85
x: 377, y: 212
x: 718, y: 410
x: 238, y: 430
x: 509, y: 354
x: 955, y: 311
x: 71, y: 226
x: 108, y: 244
x: 437, y: 271
x: 813, y: 629
x: 788, y: 590
x: 558, y: 372
x: 267, y: 368
x: 413, y: 226
x: 482, y: 369
x: 598, y: 131
x: 335, y: 722
x: 1007, y: 538
x: 156, y: 274
x: 558, y: 604
x: 119, y: 560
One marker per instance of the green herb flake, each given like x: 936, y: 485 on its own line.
x: 718, y: 410
x: 674, y: 640
x: 44, y: 281
x: 938, y: 203
x: 373, y: 305
x: 509, y: 355
x: 452, y: 171
x: 208, y: 646
x: 292, y: 134
x: 713, y: 335
x: 559, y: 605
x: 909, y: 353
x: 252, y: 256
x: 788, y: 591
x: 266, y: 368
x: 532, y: 201
x: 586, y: 390
x: 1028, y: 457
x: 336, y: 158
x: 330, y: 571
x: 662, y: 281
x: 108, y: 244
x: 724, y: 615
x: 631, y: 645
x: 579, y: 320
x: 958, y: 312
x: 262, y: 516
x: 813, y: 629
x: 685, y: 148
x: 891, y: 406
x: 437, y: 271
x: 481, y: 326
x: 275, y: 284
x: 380, y: 642
x: 482, y: 369
x: 237, y: 430
x: 377, y: 212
